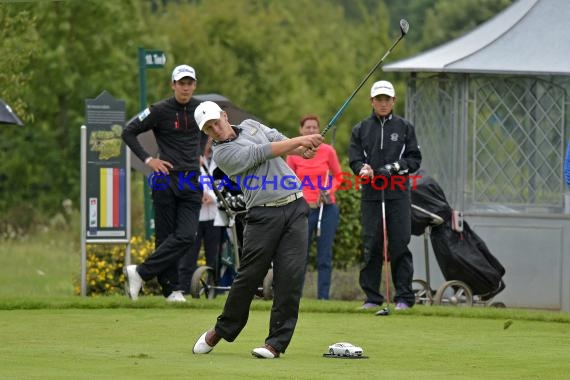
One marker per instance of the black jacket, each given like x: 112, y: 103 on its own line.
x: 380, y: 141
x: 175, y: 130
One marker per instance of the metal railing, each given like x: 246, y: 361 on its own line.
x: 494, y: 143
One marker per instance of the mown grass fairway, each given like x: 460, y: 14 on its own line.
x: 111, y: 338
x: 48, y: 333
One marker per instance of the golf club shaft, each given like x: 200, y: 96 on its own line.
x: 320, y: 219
x: 321, y: 207
x: 385, y: 249
x: 343, y: 107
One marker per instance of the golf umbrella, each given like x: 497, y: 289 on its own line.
x: 235, y: 116
x: 7, y: 116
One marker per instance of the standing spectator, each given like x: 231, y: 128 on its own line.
x: 324, y: 216
x: 178, y: 206
x: 381, y: 146
x: 275, y: 225
x: 208, y: 233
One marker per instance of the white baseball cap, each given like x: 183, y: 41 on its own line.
x: 382, y: 87
x: 206, y: 111
x: 182, y: 71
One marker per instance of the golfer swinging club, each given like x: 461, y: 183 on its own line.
x: 276, y: 228
x: 384, y: 148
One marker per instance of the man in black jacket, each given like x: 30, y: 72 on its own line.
x: 176, y: 191
x: 384, y: 149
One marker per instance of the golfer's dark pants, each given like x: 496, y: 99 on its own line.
x: 176, y: 223
x: 398, y: 221
x: 278, y: 235
x: 211, y: 236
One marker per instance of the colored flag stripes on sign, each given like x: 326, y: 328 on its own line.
x: 112, y: 192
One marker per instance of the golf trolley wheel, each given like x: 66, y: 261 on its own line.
x: 268, y: 285
x: 422, y: 292
x: 499, y: 305
x: 454, y: 293
x: 202, y: 283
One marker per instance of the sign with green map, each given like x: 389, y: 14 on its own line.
x: 107, y: 143
x: 107, y: 170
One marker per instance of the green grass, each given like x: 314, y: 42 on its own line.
x: 154, y: 340
x: 46, y: 332
x: 41, y: 266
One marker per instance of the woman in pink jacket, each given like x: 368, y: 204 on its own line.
x: 317, y: 175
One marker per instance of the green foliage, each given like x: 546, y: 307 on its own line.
x: 348, y: 242
x: 18, y: 36
x: 449, y: 19
x: 63, y: 60
x: 105, y: 264
x: 276, y: 59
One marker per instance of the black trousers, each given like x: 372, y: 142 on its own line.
x: 211, y: 236
x: 398, y: 222
x: 278, y: 235
x: 176, y: 223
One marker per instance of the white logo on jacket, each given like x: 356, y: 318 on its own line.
x: 394, y: 137
x: 144, y: 114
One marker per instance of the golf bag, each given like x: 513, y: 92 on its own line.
x: 231, y: 209
x: 232, y: 205
x: 460, y: 253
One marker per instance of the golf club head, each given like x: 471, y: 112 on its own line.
x: 404, y: 27
x: 383, y: 312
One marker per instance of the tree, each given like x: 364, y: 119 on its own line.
x: 19, y: 39
x: 449, y: 19
x: 73, y: 51
x: 276, y: 59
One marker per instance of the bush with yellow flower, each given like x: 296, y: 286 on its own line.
x: 105, y: 264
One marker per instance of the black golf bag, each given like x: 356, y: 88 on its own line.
x: 460, y: 253
x: 231, y: 204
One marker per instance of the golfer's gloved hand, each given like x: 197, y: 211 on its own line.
x: 389, y: 169
x: 394, y: 168
x: 384, y: 172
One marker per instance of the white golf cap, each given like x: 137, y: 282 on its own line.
x: 382, y: 87
x: 206, y: 111
x: 183, y: 71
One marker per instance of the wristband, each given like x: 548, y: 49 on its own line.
x: 148, y: 159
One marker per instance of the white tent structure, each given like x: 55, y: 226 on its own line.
x: 491, y: 110
x: 528, y: 38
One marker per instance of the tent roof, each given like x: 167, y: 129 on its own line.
x: 529, y: 37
